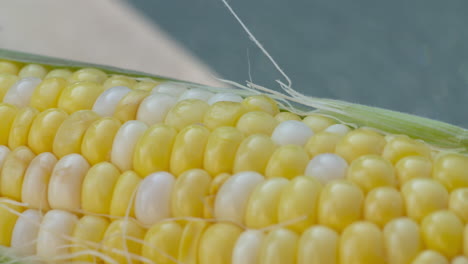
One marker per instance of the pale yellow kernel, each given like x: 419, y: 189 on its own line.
x: 362, y: 243
x: 285, y: 116
x: 8, y: 219
x: 402, y: 146
x: 146, y: 85
x: 188, y: 150
x: 33, y: 70
x: 189, y: 193
x: 340, y: 204
x: 70, y: 133
x: 279, y: 247
x: 47, y: 93
x: 322, y: 142
x: 190, y: 241
x: 6, y: 81
x: 460, y: 260
x: 402, y: 239
x: 124, y: 193
x: 127, y: 107
x: 430, y: 257
x: 223, y: 113
x: 412, y: 167
x: 88, y: 234
x: 217, y: 243
x: 153, y: 150
x: 79, y: 96
x: 88, y: 75
x: 318, y: 245
x: 297, y: 207
x: 442, y: 231
x: 318, y: 122
x: 210, y: 199
x: 256, y: 123
x: 121, y: 235
x: 186, y: 112
x: 383, y: 204
x: 261, y: 103
x: 13, y: 170
x: 287, y: 161
x: 119, y: 80
x: 97, y: 141
x: 9, y: 67
x: 360, y: 142
x: 221, y: 150
x: 98, y: 187
x: 254, y: 153
x: 162, y: 242
x: 7, y: 115
x: 59, y: 73
x: 458, y: 203
x: 451, y: 170
x: 21, y: 126
x: 262, y: 206
x: 371, y: 171
x: 423, y: 196
x: 44, y: 128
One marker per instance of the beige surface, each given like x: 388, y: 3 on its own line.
x: 99, y: 31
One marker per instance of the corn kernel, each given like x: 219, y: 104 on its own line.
x: 254, y: 153
x: 318, y: 245
x: 107, y: 101
x: 221, y: 150
x: 430, y: 257
x: 402, y: 239
x: 261, y: 103
x: 458, y: 203
x: 188, y: 195
x: 412, y: 167
x: 285, y: 116
x: 79, y: 96
x: 155, y: 107
x: 9, y: 67
x: 21, y: 92
x: 6, y: 81
x: 279, y: 247
x: 23, y: 238
x: 21, y: 126
x: 360, y: 142
x: 190, y: 241
x: 401, y: 146
x: 186, y: 113
x: 223, y: 114
x: 256, y: 123
x: 88, y: 75
x: 383, y: 204
x: 217, y: 243
x: 119, y: 80
x: 146, y: 85
x: 124, y: 143
x: 318, y: 122
x: 162, y: 242
x: 124, y: 193
x: 327, y: 167
x: 33, y: 70
x: 291, y: 132
x: 87, y: 234
x: 127, y: 107
x: 13, y: 170
x: 247, y: 248
x: 59, y: 73
x: 452, y: 171
x: 44, y: 129
x: 322, y: 142
x: 287, y: 161
x: 7, y: 220
x: 97, y: 141
x: 47, y: 93
x: 442, y: 231
x: 371, y: 171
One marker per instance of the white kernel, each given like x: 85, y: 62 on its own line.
x: 171, y: 88
x: 124, y: 144
x: 195, y: 93
x: 225, y: 97
x: 291, y: 132
x: 154, y: 108
x: 327, y: 167
x: 54, y: 233
x: 24, y: 236
x: 20, y: 93
x: 107, y: 102
x: 247, y: 247
x: 339, y: 129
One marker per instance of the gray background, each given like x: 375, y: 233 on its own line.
x: 405, y: 55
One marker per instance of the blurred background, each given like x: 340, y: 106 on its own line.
x: 410, y: 56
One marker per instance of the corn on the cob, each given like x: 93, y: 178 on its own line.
x: 99, y: 167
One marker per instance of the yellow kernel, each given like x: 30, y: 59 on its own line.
x: 452, y: 171
x: 98, y: 186
x: 262, y: 206
x: 362, y: 243
x: 127, y: 107
x: 247, y: 248
x: 21, y: 126
x: 442, y: 231
x: 13, y: 170
x: 88, y: 75
x: 285, y: 116
x: 153, y: 150
x: 189, y: 192
x: 44, y: 128
x: 318, y: 122
x: 70, y: 133
x: 59, y: 73
x: 146, y: 85
x: 402, y: 146
x: 465, y: 240
x: 98, y: 139
x: 121, y: 235
x: 254, y: 153
x: 430, y: 257
x: 33, y: 70
x: 318, y: 245
x: 458, y: 203
x: 217, y: 243
x: 190, y: 241
x: 124, y: 192
x: 79, y: 96
x: 162, y: 242
x: 119, y: 80
x: 287, y: 161
x: 402, y: 240
x: 424, y: 196
x: 188, y: 150
x: 256, y: 123
x: 261, y: 103
x: 221, y: 150
x: 298, y: 203
x: 9, y: 67
x: 371, y: 171
x: 223, y: 113
x: 322, y: 142
x: 210, y: 199
x: 279, y: 247
x: 382, y: 205
x: 88, y: 234
x: 360, y: 142
x: 47, y: 93
x: 412, y: 167
x: 7, y: 115
x: 6, y: 81
x: 185, y: 113
x: 8, y: 220
x: 340, y: 204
